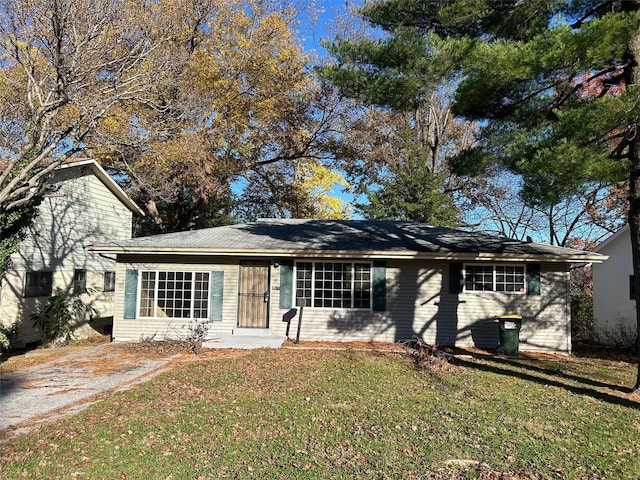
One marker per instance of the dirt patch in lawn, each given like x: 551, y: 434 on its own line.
x: 401, y: 347
x: 173, y: 350
x: 308, y: 345
x: 152, y: 348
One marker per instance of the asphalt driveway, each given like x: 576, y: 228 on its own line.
x: 69, y: 384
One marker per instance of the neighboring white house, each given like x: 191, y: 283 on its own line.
x: 357, y: 280
x: 614, y: 308
x: 84, y: 206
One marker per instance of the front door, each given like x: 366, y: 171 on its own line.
x: 253, y: 311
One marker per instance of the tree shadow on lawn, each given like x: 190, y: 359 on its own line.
x: 529, y: 364
x: 502, y: 366
x: 9, y: 383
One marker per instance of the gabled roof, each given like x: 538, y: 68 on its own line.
x: 106, y: 179
x: 342, y: 239
x: 611, y: 238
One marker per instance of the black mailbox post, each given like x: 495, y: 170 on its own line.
x: 300, y: 302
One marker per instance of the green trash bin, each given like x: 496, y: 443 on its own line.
x: 509, y: 334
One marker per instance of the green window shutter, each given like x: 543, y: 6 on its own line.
x: 286, y: 284
x: 533, y: 279
x: 456, y: 279
x: 379, y: 286
x: 130, y: 293
x: 216, y: 288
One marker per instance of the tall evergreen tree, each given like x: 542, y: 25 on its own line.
x: 555, y: 85
x: 411, y: 192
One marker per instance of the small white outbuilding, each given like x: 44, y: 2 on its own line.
x: 614, y: 305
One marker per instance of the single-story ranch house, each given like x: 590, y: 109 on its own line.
x: 356, y: 280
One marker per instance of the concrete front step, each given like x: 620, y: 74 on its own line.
x: 252, y: 332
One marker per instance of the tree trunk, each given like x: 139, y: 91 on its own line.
x: 634, y: 229
x: 633, y: 83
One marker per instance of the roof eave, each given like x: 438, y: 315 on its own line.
x: 389, y: 254
x: 109, y: 182
x: 611, y: 238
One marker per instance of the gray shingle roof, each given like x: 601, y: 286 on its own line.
x: 358, y: 237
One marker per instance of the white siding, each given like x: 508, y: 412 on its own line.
x: 82, y: 211
x: 166, y: 328
x: 419, y: 304
x: 546, y: 317
x: 614, y: 313
x: 79, y: 212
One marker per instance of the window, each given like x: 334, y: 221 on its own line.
x: 509, y: 278
x: 494, y: 278
x: 38, y: 284
x: 79, y: 280
x: 478, y: 278
x: 334, y: 284
x: 109, y: 284
x: 174, y: 294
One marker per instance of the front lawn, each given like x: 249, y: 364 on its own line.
x: 348, y: 414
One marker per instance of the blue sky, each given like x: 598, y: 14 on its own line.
x: 314, y: 28
x: 312, y: 31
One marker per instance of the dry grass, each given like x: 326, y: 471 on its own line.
x: 314, y: 413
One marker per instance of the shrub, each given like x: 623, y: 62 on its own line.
x: 582, y: 318
x: 63, y: 311
x: 7, y: 333
x: 196, y: 333
x: 5, y: 344
x: 623, y: 337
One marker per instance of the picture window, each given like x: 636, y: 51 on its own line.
x: 334, y: 284
x: 174, y: 294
